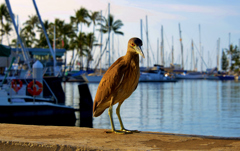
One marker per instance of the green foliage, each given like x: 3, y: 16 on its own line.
x: 235, y: 58
x: 224, y: 61
x: 68, y: 35
x: 5, y: 21
x: 114, y: 25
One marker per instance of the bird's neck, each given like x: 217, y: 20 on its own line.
x: 132, y: 56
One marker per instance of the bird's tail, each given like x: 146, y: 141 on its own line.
x: 97, y: 111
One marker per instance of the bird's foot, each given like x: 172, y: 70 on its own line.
x: 117, y: 132
x: 130, y: 131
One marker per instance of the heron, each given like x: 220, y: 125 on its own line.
x: 118, y: 83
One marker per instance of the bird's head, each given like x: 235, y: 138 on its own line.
x: 135, y: 45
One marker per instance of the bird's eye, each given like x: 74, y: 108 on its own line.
x: 132, y: 44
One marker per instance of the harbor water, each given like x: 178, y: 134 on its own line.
x: 198, y: 107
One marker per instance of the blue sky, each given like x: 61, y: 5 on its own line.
x: 217, y: 18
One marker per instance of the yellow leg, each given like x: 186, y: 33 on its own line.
x: 121, y: 123
x: 112, y: 124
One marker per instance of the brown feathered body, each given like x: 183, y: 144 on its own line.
x: 119, y: 82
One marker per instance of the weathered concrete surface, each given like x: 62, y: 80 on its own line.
x: 54, y: 138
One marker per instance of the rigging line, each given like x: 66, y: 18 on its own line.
x: 145, y: 42
x: 189, y: 37
x: 98, y: 56
x: 167, y: 41
x: 200, y: 55
x: 92, y: 53
x: 106, y: 12
x: 121, y: 43
x: 94, y: 47
x: 150, y: 48
x: 152, y: 52
x: 186, y: 61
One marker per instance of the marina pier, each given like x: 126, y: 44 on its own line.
x: 50, y: 138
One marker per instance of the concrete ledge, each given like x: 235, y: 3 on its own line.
x: 54, y: 138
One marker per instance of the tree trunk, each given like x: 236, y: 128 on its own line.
x: 8, y: 39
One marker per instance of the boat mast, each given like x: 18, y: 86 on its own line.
x: 54, y: 41
x: 45, y: 33
x: 157, y: 50
x: 180, y: 33
x: 17, y: 37
x: 109, y: 35
x: 238, y: 44
x: 200, y: 47
x: 141, y: 37
x: 172, y: 51
x: 118, y: 47
x: 230, y: 59
x: 193, y: 58
x: 141, y: 29
x: 112, y: 47
x: 147, y: 43
x: 218, y: 51
x: 101, y: 46
x: 162, y: 46
x: 25, y: 56
x: 229, y: 39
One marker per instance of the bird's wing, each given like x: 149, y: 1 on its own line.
x: 110, y: 81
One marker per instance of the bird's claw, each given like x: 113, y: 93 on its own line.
x: 130, y: 131
x: 123, y: 131
x: 117, y: 132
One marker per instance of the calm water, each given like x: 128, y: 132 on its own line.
x: 198, y: 107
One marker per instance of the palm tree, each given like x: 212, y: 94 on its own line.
x: 6, y: 30
x: 67, y: 33
x: 4, y: 15
x: 81, y: 17
x: 95, y: 17
x: 224, y: 61
x: 90, y: 39
x: 42, y: 41
x: 233, y: 52
x: 114, y: 25
x: 33, y: 21
x: 63, y: 33
x: 28, y: 36
x: 78, y: 43
x: 28, y: 31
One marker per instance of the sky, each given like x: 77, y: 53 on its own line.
x: 216, y: 18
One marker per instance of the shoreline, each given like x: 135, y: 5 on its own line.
x: 49, y: 138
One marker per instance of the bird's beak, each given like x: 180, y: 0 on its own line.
x: 139, y: 50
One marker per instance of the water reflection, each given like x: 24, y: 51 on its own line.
x: 190, y: 107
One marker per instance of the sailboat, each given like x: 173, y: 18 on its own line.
x: 23, y: 100
x: 213, y: 73
x: 156, y: 74
x: 191, y: 75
